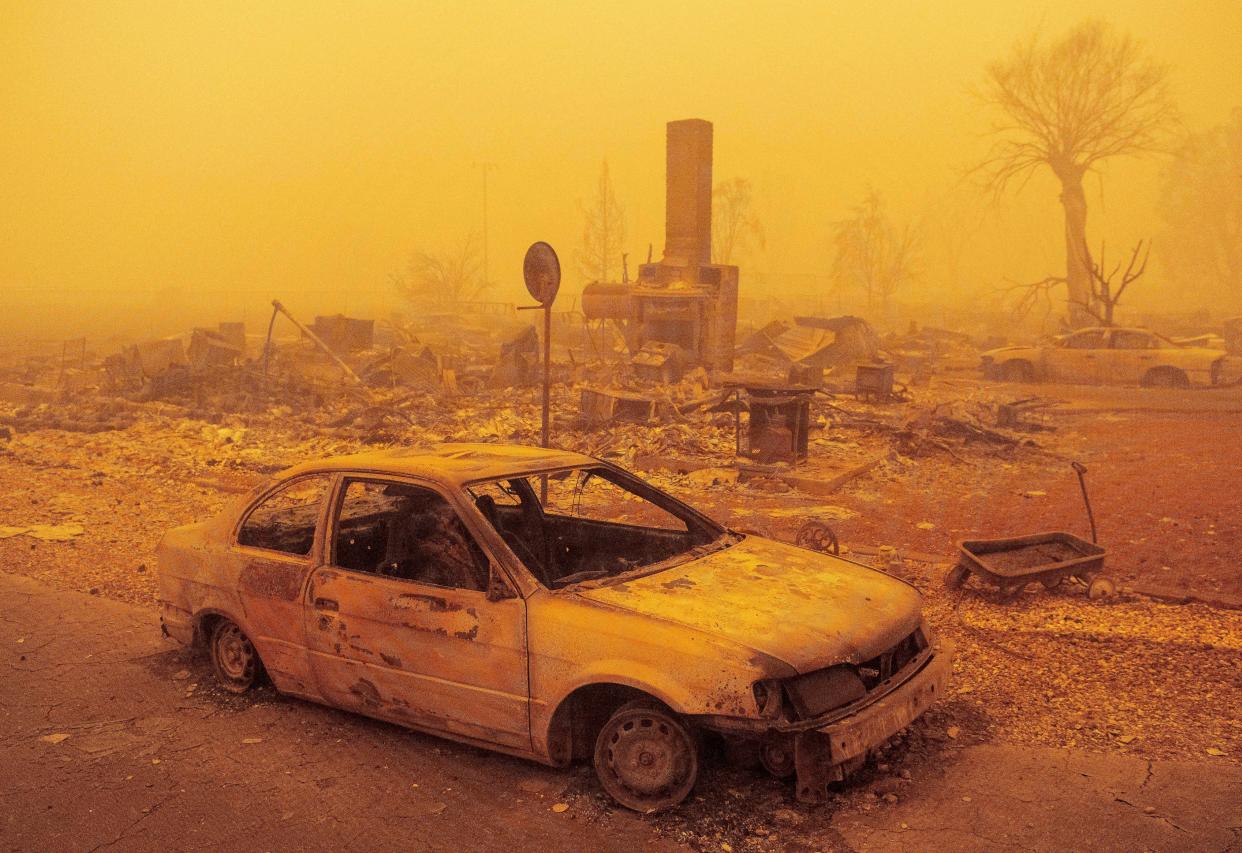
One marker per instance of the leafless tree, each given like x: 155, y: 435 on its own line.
x: 444, y: 278
x: 873, y: 253
x: 1202, y: 203
x: 1067, y: 106
x: 1032, y: 295
x: 735, y: 224
x: 603, y: 231
x: 1106, y: 292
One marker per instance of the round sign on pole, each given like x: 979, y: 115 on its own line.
x: 542, y: 271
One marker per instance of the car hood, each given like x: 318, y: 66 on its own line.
x: 805, y: 608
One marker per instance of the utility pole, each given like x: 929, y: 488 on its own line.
x: 485, y: 167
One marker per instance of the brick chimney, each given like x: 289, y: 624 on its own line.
x: 688, y: 193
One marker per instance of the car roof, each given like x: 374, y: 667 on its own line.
x: 451, y: 463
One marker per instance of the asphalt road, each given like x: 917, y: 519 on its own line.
x: 114, y: 739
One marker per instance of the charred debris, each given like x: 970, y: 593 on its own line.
x: 762, y: 389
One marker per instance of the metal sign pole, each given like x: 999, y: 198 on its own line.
x: 547, y: 368
x: 541, y: 270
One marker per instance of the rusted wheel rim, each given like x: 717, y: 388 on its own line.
x: 234, y: 657
x: 647, y: 760
x: 1101, y: 588
x: 777, y: 757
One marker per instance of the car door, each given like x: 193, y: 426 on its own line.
x: 275, y: 545
x: 1078, y: 358
x: 1134, y: 352
x: 411, y: 621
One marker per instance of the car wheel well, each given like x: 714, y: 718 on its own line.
x: 580, y: 715
x: 1166, y: 377
x: 204, y: 624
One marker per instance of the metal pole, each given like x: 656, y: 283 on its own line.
x: 315, y: 339
x: 547, y: 389
x: 1081, y: 469
x: 485, y: 167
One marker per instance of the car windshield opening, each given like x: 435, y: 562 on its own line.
x: 595, y: 524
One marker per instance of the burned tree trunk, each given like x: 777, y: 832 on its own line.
x: 1077, y: 272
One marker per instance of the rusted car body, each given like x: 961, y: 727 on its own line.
x: 439, y: 590
x: 1108, y: 356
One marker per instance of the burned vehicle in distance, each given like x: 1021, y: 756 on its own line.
x: 552, y: 606
x: 1108, y: 356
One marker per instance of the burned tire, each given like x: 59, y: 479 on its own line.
x: 233, y: 657
x: 646, y: 758
x: 1017, y: 371
x: 1165, y: 377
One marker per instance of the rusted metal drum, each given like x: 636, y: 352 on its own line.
x: 606, y: 301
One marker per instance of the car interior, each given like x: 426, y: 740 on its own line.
x: 406, y: 532
x: 565, y: 544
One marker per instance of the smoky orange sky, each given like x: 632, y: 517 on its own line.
x: 162, y: 158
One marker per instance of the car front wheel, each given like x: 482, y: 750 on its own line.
x: 233, y: 657
x: 646, y: 758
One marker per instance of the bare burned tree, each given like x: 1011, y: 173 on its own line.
x: 1032, y: 295
x: 444, y: 278
x: 1068, y: 106
x: 872, y: 252
x: 735, y: 225
x: 1202, y: 205
x: 1106, y: 293
x: 603, y: 231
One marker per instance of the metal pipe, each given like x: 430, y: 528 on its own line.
x: 319, y: 343
x: 1082, y: 483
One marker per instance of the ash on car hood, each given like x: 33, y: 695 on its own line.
x: 808, y: 609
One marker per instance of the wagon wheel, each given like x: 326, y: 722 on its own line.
x: 1101, y: 587
x: 1051, y: 583
x: 956, y: 576
x: 818, y: 536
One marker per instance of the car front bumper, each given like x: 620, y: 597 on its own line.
x: 826, y: 754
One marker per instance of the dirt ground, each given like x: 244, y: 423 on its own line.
x: 1127, y: 680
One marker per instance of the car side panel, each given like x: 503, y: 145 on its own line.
x: 431, y: 657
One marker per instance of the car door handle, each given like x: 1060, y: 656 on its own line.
x: 326, y: 604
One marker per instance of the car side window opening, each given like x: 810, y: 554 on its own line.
x: 285, y: 520
x: 587, y: 494
x: 1132, y: 340
x: 593, y: 525
x: 407, y: 532
x: 1093, y: 339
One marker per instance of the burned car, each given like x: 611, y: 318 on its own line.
x: 552, y: 606
x: 1108, y: 356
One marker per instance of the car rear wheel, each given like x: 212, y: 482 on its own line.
x: 1165, y: 377
x: 233, y: 657
x: 646, y: 758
